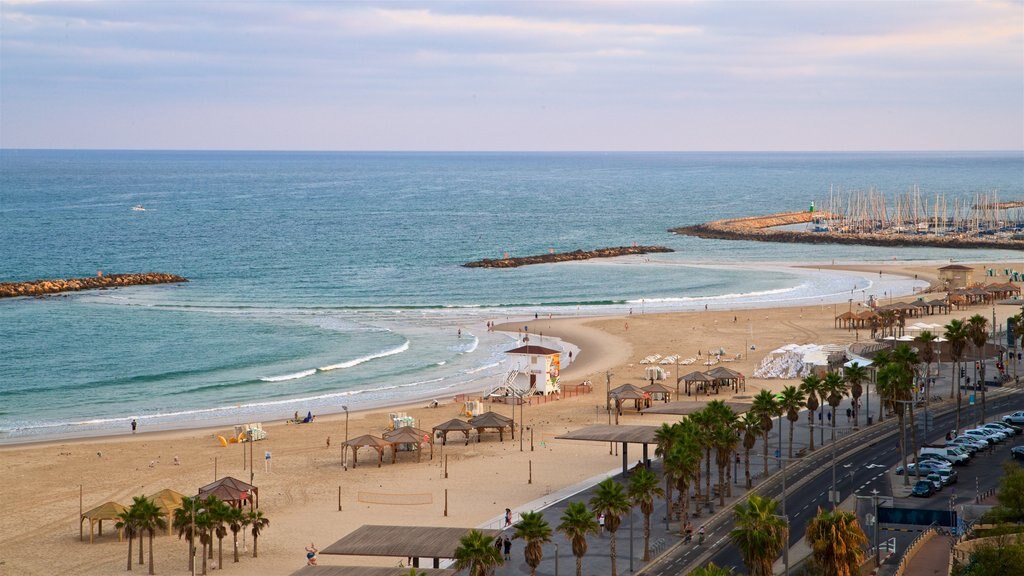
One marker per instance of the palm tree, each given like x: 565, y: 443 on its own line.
x: 725, y: 438
x: 643, y: 487
x: 577, y: 522
x: 978, y: 335
x: 219, y: 512
x: 703, y: 421
x: 664, y: 438
x: 811, y: 386
x: 894, y: 384
x: 533, y: 529
x: 956, y: 335
x: 837, y: 542
x: 149, y: 518
x: 907, y: 358
x: 235, y: 519
x: 855, y: 375
x: 203, y: 527
x: 760, y: 534
x: 681, y: 466
x: 926, y: 351
x: 182, y: 524
x: 711, y: 570
x: 833, y: 388
x: 257, y: 523
x: 880, y: 360
x: 126, y: 522
x: 749, y: 425
x: 792, y: 401
x: 610, y: 499
x: 477, y: 553
x: 766, y: 408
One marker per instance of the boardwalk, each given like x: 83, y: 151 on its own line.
x: 931, y: 560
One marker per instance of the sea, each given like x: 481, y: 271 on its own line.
x: 322, y: 280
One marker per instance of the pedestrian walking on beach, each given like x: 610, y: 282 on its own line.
x: 134, y: 425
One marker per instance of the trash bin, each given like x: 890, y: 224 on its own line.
x: 871, y: 420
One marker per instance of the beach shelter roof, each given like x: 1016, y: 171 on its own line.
x: 231, y: 490
x: 629, y: 394
x: 696, y: 377
x: 620, y: 390
x: 937, y: 302
x: 167, y: 501
x: 608, y: 433
x: 410, y: 435
x: 686, y: 407
x: 490, y: 419
x: 402, y: 541
x: 454, y: 425
x: 723, y: 373
x: 657, y: 388
x: 368, y: 440
x: 105, y: 511
x: 320, y: 570
x: 847, y: 316
x: 867, y: 314
x: 956, y: 267
x: 534, y: 350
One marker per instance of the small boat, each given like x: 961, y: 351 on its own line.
x: 138, y: 208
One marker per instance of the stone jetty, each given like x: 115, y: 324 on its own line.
x: 41, y: 287
x: 565, y: 256
x: 760, y: 229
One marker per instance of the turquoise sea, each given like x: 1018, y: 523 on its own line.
x: 327, y: 279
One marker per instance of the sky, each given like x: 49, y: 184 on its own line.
x: 528, y: 75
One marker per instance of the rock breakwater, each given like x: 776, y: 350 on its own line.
x: 565, y: 256
x: 760, y: 229
x: 41, y: 287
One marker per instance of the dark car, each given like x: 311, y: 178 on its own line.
x: 1017, y: 452
x: 923, y: 488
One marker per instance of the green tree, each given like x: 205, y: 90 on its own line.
x: 257, y: 524
x: 235, y: 519
x: 792, y: 401
x: 837, y: 542
x: 204, y: 528
x: 833, y: 388
x: 535, y: 531
x: 977, y: 333
x: 664, y: 438
x: 681, y: 465
x: 926, y: 351
x: 956, y: 335
x: 610, y: 499
x: 704, y: 422
x: 1011, y: 494
x: 855, y: 376
x: 759, y: 534
x: 894, y: 386
x: 907, y: 358
x: 766, y: 408
x: 149, y: 518
x: 476, y: 552
x: 711, y: 570
x: 811, y: 387
x: 725, y: 439
x: 643, y: 488
x: 997, y: 559
x: 577, y: 522
x: 183, y: 525
x: 749, y: 426
x: 126, y: 522
x: 219, y: 513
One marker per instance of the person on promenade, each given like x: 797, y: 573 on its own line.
x: 508, y: 548
x: 700, y: 534
x: 311, y: 553
x: 508, y: 517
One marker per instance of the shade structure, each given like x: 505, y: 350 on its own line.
x: 105, y: 511
x: 232, y: 491
x: 622, y: 434
x: 659, y: 391
x: 700, y: 379
x: 367, y: 571
x: 413, y: 436
x: 453, y: 425
x: 685, y: 408
x: 368, y: 440
x: 167, y: 501
x: 727, y: 376
x: 626, y: 392
x: 403, y: 542
x: 494, y: 421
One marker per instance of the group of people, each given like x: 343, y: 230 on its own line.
x: 504, y: 544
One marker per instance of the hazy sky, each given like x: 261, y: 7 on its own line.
x: 525, y: 75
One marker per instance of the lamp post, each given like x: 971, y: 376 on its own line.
x: 874, y: 503
x: 785, y: 549
x: 630, y: 538
x: 344, y: 454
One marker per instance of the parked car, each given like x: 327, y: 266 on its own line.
x: 923, y: 488
x: 927, y: 467
x: 1017, y: 452
x: 1013, y: 430
x: 1015, y: 418
x: 971, y: 442
x: 936, y: 481
x: 983, y: 435
x: 940, y: 458
x: 998, y: 430
x: 948, y: 476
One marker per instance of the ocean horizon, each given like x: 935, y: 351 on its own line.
x: 326, y: 278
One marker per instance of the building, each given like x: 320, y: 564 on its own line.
x: 956, y: 276
x: 538, y: 368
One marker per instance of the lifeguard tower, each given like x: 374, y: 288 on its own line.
x: 535, y: 370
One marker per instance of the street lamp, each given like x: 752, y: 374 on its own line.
x: 874, y: 502
x: 785, y: 549
x: 344, y: 454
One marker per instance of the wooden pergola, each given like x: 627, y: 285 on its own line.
x: 728, y: 376
x: 700, y: 379
x: 403, y: 542
x: 232, y: 491
x: 658, y: 391
x: 407, y: 435
x: 453, y: 425
x: 168, y: 501
x: 105, y: 511
x: 644, y: 435
x: 370, y: 441
x: 494, y: 421
x: 628, y: 392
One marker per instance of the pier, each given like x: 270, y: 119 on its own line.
x: 515, y: 262
x: 56, y: 286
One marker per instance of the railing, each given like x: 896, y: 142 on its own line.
x: 913, y: 548
x: 657, y: 546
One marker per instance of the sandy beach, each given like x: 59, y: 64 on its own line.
x: 41, y: 482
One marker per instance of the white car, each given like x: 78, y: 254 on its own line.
x: 999, y: 426
x: 1015, y: 418
x: 986, y: 435
x: 972, y: 443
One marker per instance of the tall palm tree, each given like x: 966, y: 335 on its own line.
x: 577, y: 522
x: 183, y: 525
x: 711, y: 570
x: 855, y: 376
x: 203, y: 528
x: 760, y: 534
x: 978, y: 334
x: 837, y: 542
x: 792, y: 401
x: 704, y: 423
x: 257, y: 524
x: 533, y: 529
x: 879, y: 361
x: 643, y: 487
x: 126, y: 522
x: 956, y: 335
x: 149, y: 518
x: 926, y: 351
x: 235, y: 520
x: 682, y: 464
x: 219, y: 512
x: 476, y: 552
x: 610, y: 499
x: 893, y: 387
x: 664, y: 438
x: 749, y: 426
x: 725, y: 438
x: 833, y: 388
x: 811, y: 387
x: 907, y: 358
x: 766, y: 408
